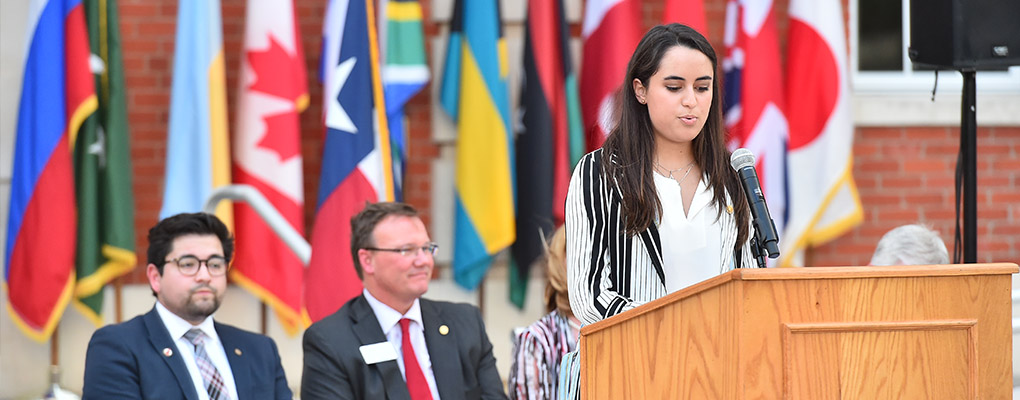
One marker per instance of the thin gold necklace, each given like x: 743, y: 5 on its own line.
x: 671, y: 171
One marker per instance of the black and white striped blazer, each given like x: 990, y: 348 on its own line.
x: 607, y: 272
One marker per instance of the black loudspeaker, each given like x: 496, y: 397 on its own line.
x: 958, y: 34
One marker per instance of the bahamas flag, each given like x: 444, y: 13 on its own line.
x: 356, y: 165
x: 198, y: 152
x: 474, y: 93
x: 57, y: 95
x: 404, y: 72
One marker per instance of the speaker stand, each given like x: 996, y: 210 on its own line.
x: 968, y: 149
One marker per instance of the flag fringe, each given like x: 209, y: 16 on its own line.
x: 290, y: 319
x: 814, y: 236
x: 42, y: 335
x: 120, y: 261
x: 88, y: 313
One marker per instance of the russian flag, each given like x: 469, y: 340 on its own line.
x: 57, y: 95
x: 356, y: 158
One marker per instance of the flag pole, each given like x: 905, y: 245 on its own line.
x: 55, y: 348
x: 54, y: 390
x: 263, y: 318
x: 481, y: 296
x: 118, y: 300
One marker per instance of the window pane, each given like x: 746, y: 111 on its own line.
x: 880, y: 26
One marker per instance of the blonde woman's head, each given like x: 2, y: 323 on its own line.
x: 556, y: 269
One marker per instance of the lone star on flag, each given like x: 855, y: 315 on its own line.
x: 336, y: 117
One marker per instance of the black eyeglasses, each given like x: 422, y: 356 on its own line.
x: 189, y: 265
x: 411, y: 251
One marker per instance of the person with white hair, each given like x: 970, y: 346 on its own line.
x: 913, y: 244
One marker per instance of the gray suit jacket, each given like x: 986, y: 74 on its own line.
x: 462, y: 359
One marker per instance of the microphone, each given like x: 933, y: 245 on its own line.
x: 742, y: 161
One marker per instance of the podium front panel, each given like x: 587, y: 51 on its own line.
x: 923, y: 337
x: 931, y: 332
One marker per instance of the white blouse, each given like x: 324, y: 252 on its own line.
x: 690, y: 243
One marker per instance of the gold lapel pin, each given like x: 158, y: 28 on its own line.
x: 443, y: 330
x: 167, y: 352
x: 238, y: 352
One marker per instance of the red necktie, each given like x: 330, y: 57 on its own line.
x: 416, y: 383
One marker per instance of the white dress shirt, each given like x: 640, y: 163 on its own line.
x: 389, y: 321
x: 691, y: 243
x: 177, y: 327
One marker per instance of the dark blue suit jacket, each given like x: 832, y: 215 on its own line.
x: 129, y: 361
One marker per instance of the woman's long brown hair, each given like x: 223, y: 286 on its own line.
x: 630, y: 148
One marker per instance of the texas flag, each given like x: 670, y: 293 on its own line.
x: 611, y: 31
x: 356, y: 158
x: 823, y: 198
x: 57, y: 94
x: 267, y: 156
x: 754, y: 100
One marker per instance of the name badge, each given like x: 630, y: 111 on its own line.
x: 378, y: 352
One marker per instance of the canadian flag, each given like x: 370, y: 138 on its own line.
x: 611, y: 31
x: 823, y: 198
x: 754, y: 98
x: 267, y: 156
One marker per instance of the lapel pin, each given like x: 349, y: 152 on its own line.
x: 167, y: 352
x: 237, y: 351
x: 443, y: 330
x: 729, y: 209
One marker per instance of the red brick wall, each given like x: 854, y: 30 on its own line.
x: 904, y: 174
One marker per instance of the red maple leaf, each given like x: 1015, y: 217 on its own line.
x: 280, y: 136
x: 277, y: 72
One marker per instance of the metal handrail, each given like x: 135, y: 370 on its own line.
x: 269, y: 214
x: 1016, y: 321
x: 1016, y: 329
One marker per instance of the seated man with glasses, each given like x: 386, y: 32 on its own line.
x: 389, y: 343
x: 177, y: 351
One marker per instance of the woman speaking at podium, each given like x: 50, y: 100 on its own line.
x: 658, y: 207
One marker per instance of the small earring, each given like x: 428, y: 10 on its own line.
x: 641, y: 100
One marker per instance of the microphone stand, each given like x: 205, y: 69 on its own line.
x: 757, y: 250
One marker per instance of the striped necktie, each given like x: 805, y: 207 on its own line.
x: 210, y: 375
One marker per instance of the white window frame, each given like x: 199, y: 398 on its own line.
x: 903, y: 98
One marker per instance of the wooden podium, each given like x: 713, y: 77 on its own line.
x: 909, y: 332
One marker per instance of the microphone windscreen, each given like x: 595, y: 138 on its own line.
x: 741, y: 158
